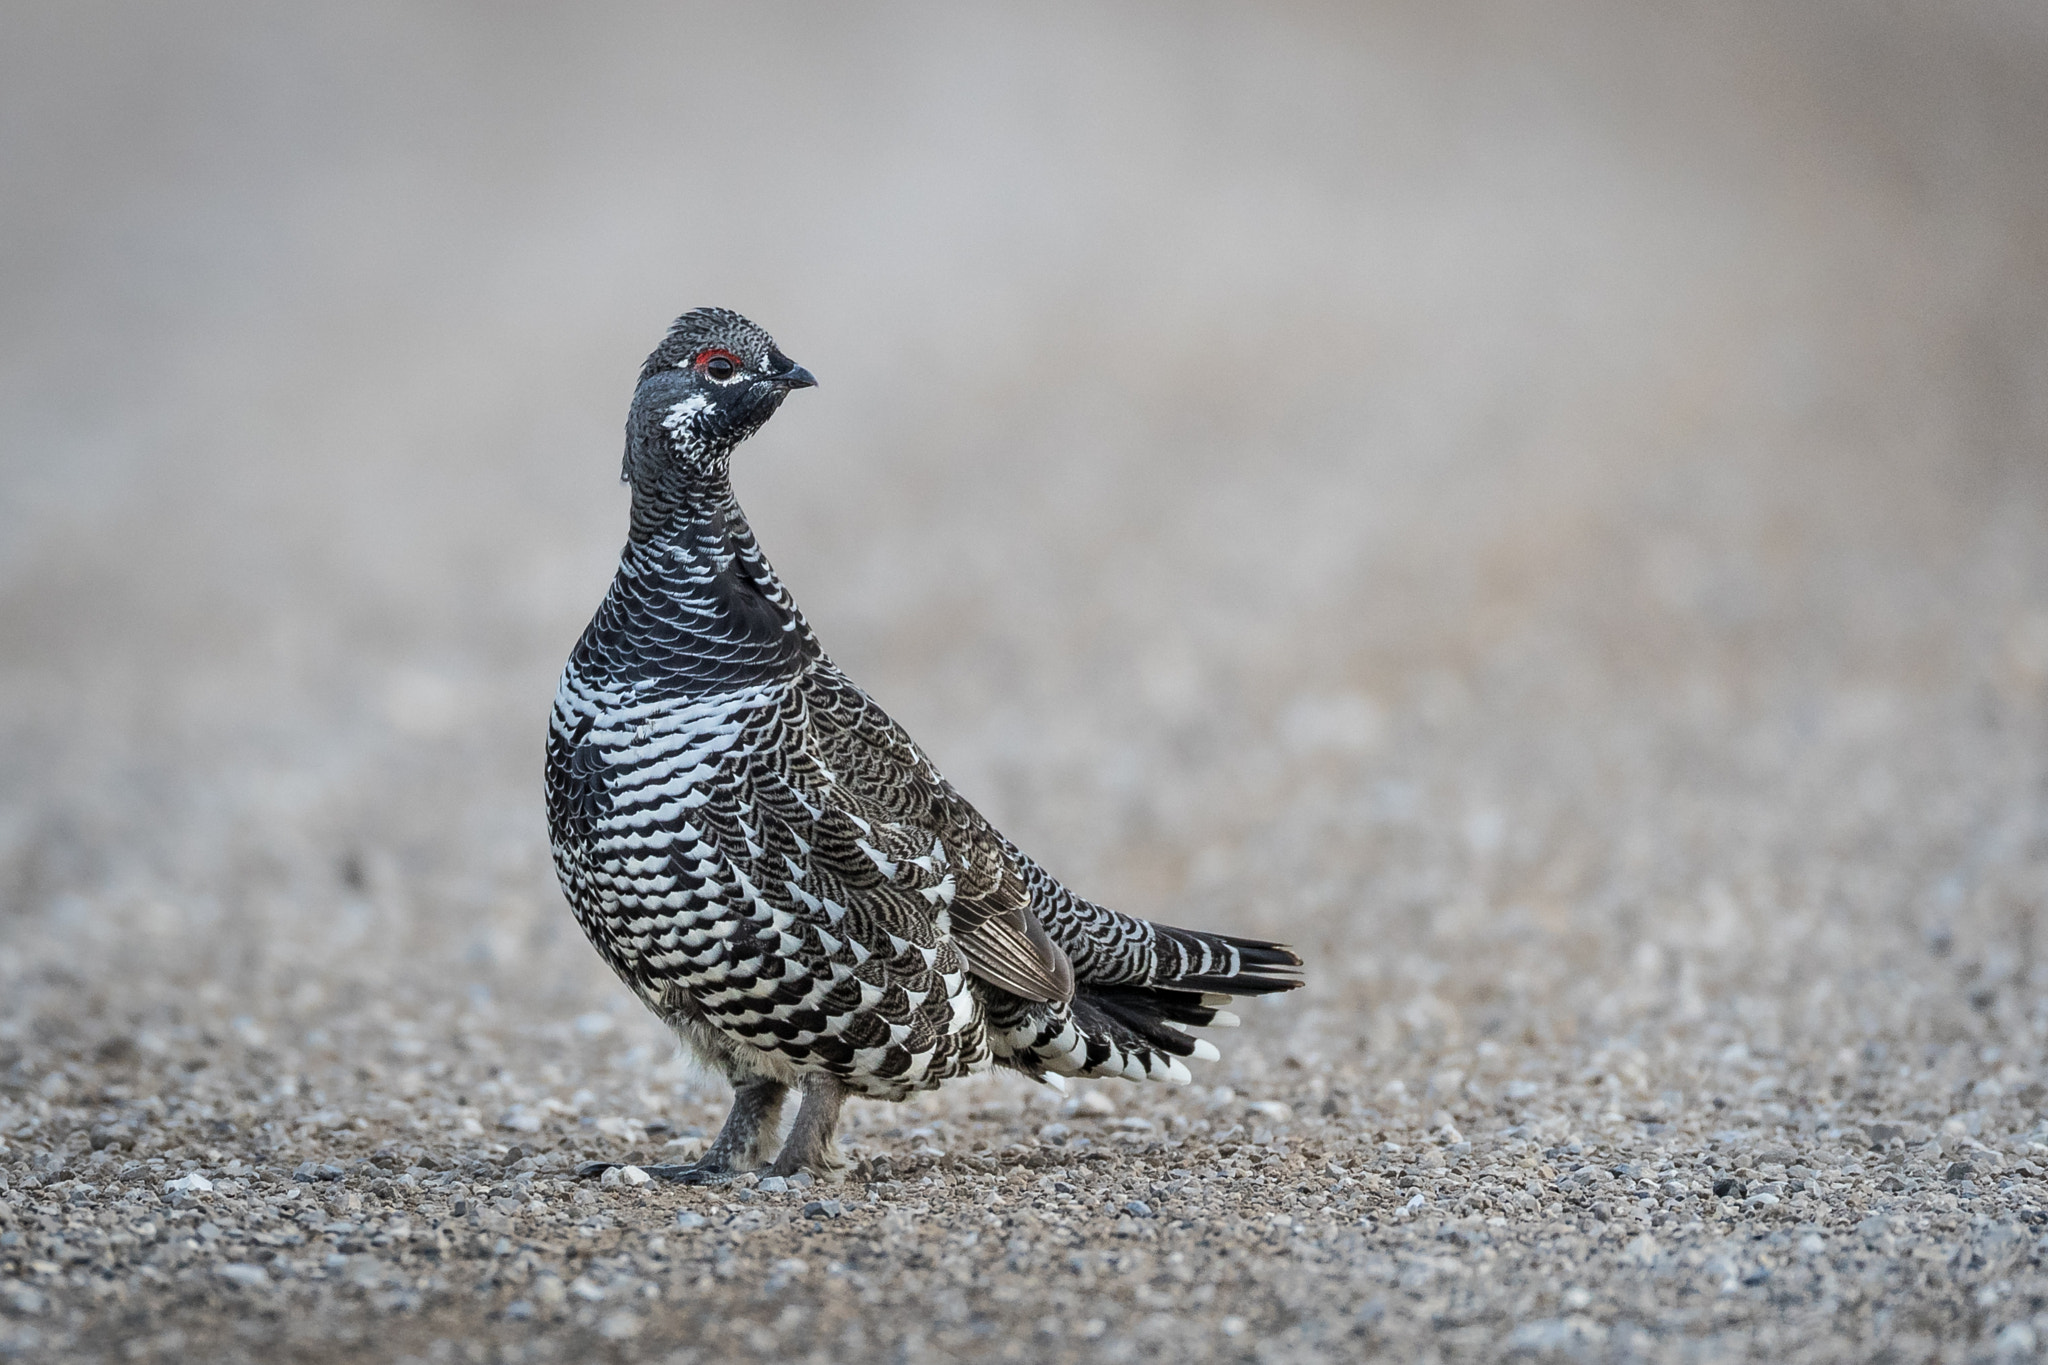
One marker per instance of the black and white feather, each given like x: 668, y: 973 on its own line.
x: 772, y: 863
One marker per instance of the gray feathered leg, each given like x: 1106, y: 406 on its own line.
x: 756, y: 1111
x: 811, y: 1145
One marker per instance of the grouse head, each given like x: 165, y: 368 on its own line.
x: 714, y: 379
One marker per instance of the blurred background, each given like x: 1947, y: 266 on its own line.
x: 1542, y: 506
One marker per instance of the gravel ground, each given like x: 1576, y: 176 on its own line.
x: 1548, y: 513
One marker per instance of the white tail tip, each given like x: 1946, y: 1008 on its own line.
x: 1225, y: 1019
x: 1206, y: 1051
x: 1055, y: 1080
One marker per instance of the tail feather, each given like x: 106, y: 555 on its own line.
x: 1151, y: 1018
x: 1142, y: 1028
x: 1249, y: 966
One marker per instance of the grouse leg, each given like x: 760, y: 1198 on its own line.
x: 756, y: 1112
x: 811, y: 1146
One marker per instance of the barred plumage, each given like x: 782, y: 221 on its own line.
x: 770, y: 861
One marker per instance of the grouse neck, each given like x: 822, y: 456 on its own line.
x: 697, y: 541
x: 695, y: 609
x: 670, y: 501
x: 694, y: 531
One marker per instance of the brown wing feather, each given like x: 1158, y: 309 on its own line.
x: 937, y: 842
x: 1003, y: 941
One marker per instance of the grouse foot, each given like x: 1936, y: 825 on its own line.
x: 685, y: 1173
x: 810, y: 1146
x: 756, y: 1111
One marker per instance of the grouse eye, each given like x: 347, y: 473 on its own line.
x: 720, y: 365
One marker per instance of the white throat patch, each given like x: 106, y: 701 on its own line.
x: 679, y: 416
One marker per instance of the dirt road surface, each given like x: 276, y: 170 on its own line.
x: 1546, y: 509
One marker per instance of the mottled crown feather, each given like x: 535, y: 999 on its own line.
x: 701, y: 327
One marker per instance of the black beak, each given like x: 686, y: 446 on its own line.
x: 795, y: 377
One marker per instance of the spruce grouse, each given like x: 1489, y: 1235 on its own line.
x: 776, y: 868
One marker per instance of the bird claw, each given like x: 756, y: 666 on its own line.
x: 690, y: 1173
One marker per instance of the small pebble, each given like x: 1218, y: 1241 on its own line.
x: 620, y: 1326
x: 823, y: 1208
x: 23, y: 1299
x: 2015, y: 1341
